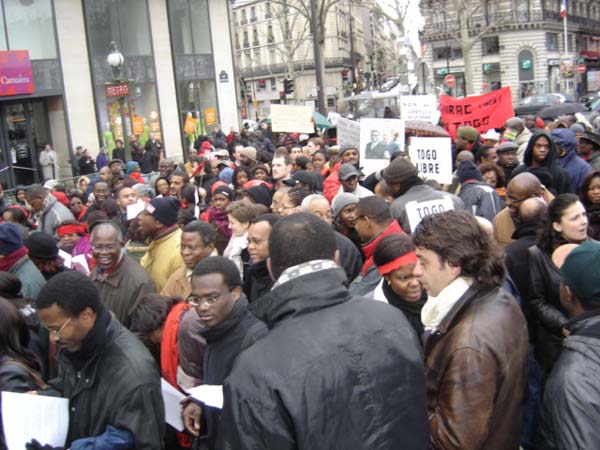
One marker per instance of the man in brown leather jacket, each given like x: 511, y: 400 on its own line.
x: 475, y: 340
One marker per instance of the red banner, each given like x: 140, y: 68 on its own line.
x: 483, y: 112
x: 16, y: 76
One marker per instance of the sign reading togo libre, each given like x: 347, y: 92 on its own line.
x: 16, y: 75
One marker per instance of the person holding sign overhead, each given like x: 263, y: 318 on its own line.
x: 409, y: 191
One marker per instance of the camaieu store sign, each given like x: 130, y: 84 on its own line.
x: 16, y: 77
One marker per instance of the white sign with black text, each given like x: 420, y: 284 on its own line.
x: 419, y: 107
x: 433, y: 158
x: 416, y: 210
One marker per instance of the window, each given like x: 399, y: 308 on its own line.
x: 552, y: 41
x: 262, y: 85
x: 244, y: 19
x: 30, y: 26
x: 490, y: 45
x: 237, y: 41
x: 252, y: 14
x: 255, y: 37
x: 267, y: 10
x: 441, y: 53
x: 273, y: 84
x: 257, y: 56
x: 272, y: 56
x: 270, y: 35
x: 246, y: 41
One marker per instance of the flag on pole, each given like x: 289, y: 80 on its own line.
x: 563, y: 9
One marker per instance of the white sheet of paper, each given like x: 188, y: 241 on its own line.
x: 171, y: 399
x: 80, y: 259
x: 210, y: 395
x: 134, y: 209
x: 26, y: 417
x: 66, y: 258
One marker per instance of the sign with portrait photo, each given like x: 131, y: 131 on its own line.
x: 379, y: 139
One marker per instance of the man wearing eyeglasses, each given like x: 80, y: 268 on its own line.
x: 229, y: 328
x: 111, y: 380
x: 121, y: 281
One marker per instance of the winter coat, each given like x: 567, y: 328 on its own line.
x: 225, y: 341
x: 419, y: 193
x: 119, y: 385
x: 353, y: 378
x: 257, y: 281
x: 178, y: 284
x: 560, y: 177
x: 163, y: 258
x: 53, y: 214
x: 545, y: 307
x: 86, y: 165
x: 476, y: 370
x: 122, y: 290
x: 119, y: 153
x: 350, y: 257
x: 411, y: 310
x: 31, y: 278
x: 480, y: 199
x: 571, y: 162
x: 571, y: 411
x: 522, y: 141
x: 101, y: 160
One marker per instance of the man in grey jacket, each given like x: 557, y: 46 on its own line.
x: 571, y: 411
x: 48, y: 212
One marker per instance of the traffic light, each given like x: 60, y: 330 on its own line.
x: 288, y: 86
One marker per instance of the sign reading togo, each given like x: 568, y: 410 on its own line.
x: 432, y: 158
x: 416, y: 211
x: 16, y: 76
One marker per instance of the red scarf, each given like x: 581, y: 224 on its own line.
x: 369, y: 249
x: 169, y: 355
x: 10, y: 260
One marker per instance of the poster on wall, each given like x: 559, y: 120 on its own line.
x: 379, y: 139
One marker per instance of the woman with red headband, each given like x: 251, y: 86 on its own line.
x: 395, y: 259
x: 74, y: 239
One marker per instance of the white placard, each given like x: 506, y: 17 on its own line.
x: 135, y: 209
x: 172, y: 398
x: 419, y: 107
x: 379, y: 139
x: 292, y: 119
x: 416, y: 210
x: 26, y: 417
x: 348, y: 132
x: 210, y: 395
x: 433, y: 158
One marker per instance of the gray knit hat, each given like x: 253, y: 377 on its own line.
x: 399, y: 170
x: 341, y: 201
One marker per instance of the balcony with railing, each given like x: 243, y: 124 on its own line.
x: 259, y: 70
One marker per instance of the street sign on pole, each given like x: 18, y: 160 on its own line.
x: 449, y: 79
x: 581, y: 68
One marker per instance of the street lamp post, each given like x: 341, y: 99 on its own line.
x: 115, y: 60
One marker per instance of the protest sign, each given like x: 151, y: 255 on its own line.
x: 291, y: 119
x: 379, y: 139
x: 348, y: 132
x: 419, y: 107
x: 416, y: 210
x: 482, y: 112
x: 432, y: 157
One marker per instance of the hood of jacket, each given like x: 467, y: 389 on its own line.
x: 303, y: 295
x: 552, y: 153
x: 566, y: 139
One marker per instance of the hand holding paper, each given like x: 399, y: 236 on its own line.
x: 208, y: 394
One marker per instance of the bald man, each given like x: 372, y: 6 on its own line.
x: 523, y: 186
x: 517, y: 127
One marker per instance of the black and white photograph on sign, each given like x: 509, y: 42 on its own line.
x: 379, y: 140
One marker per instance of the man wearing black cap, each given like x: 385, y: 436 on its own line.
x: 348, y: 175
x: 571, y: 411
x: 159, y: 223
x: 116, y: 167
x: 407, y: 187
x: 14, y: 259
x: 589, y: 148
x: 43, y: 251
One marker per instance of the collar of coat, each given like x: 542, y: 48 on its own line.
x: 302, y: 295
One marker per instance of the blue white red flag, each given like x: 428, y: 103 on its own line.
x: 563, y: 9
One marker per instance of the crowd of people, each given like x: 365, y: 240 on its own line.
x: 274, y: 267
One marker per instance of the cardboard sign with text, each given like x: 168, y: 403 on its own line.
x: 348, y: 132
x: 419, y: 107
x: 416, y: 210
x: 433, y: 158
x: 291, y: 119
x: 379, y: 139
x: 483, y: 112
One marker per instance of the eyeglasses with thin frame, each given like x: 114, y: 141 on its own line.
x: 57, y: 333
x: 196, y: 302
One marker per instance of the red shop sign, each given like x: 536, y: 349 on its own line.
x: 16, y: 76
x: 117, y: 90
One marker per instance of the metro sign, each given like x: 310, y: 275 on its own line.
x: 117, y: 90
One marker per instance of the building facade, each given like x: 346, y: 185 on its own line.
x: 521, y: 45
x: 178, y: 62
x: 274, y: 42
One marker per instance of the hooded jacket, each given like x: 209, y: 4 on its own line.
x: 571, y: 411
x: 352, y: 378
x: 571, y: 162
x: 560, y: 177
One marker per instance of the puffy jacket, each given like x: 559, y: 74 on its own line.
x: 119, y: 385
x: 351, y: 378
x: 32, y: 280
x: 163, y: 258
x: 544, y: 307
x: 571, y: 411
x: 571, y: 162
x: 480, y: 199
x: 53, y: 214
x: 560, y: 177
x: 476, y: 364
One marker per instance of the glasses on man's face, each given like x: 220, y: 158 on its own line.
x: 195, y: 302
x: 104, y: 248
x: 514, y: 203
x: 56, y: 333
